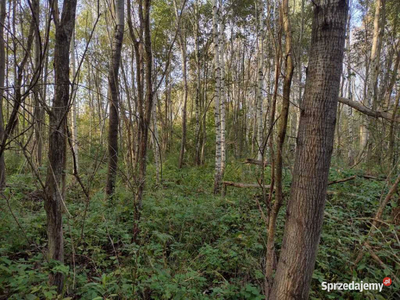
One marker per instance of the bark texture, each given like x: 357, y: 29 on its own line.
x: 55, y: 180
x: 283, y: 120
x: 260, y: 79
x: 217, y: 114
x: 38, y: 111
x: 182, y: 45
x: 114, y: 97
x: 145, y: 118
x: 371, y: 100
x: 2, y: 76
x: 314, y: 149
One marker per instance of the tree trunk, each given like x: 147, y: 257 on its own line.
x: 218, y: 170
x: 38, y: 117
x: 198, y: 87
x: 114, y: 97
x: 370, y: 100
x: 74, y: 106
x: 350, y: 154
x: 2, y: 82
x: 156, y: 142
x: 222, y: 93
x: 55, y: 181
x: 287, y: 82
x: 260, y: 79
x: 182, y: 44
x: 145, y: 120
x: 392, y: 131
x: 313, y: 155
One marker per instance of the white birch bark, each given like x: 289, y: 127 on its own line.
x: 217, y: 174
x: 222, y: 90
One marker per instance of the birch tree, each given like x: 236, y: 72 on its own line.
x: 217, y: 95
x: 222, y: 92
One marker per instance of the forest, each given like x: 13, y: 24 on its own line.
x: 200, y: 149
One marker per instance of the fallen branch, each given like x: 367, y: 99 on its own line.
x: 341, y: 193
x: 378, y: 260
x: 373, y: 177
x: 342, y: 180
x: 379, y: 214
x: 251, y: 161
x: 244, y: 185
x: 367, y: 111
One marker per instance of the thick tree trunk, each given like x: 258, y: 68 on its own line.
x: 55, y: 181
x: 114, y: 97
x: 314, y: 149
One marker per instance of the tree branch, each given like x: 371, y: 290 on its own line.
x: 367, y: 111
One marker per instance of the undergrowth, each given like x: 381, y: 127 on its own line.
x: 193, y: 245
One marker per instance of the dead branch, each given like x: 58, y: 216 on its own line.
x: 342, y: 180
x: 367, y: 111
x: 244, y: 185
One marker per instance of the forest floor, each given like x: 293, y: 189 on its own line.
x: 192, y: 244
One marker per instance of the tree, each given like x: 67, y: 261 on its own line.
x: 38, y: 109
x: 198, y: 140
x: 182, y: 45
x: 371, y: 100
x: 55, y: 180
x: 217, y: 74
x: 74, y: 124
x: 313, y: 155
x: 114, y: 95
x: 282, y: 125
x: 145, y: 116
x: 260, y: 78
x: 2, y: 81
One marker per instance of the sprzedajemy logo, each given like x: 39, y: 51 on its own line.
x: 355, y: 286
